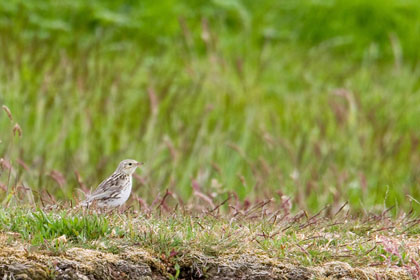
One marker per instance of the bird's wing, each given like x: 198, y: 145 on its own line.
x: 110, y: 183
x: 109, y: 188
x: 112, y: 192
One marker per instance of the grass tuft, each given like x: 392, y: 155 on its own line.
x: 40, y: 226
x: 181, y: 239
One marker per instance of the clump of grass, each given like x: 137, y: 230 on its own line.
x: 179, y: 239
x: 38, y: 226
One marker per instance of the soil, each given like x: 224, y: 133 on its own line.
x: 133, y: 262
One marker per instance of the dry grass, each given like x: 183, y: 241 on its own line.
x: 180, y: 239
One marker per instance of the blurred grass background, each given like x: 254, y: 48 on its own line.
x: 315, y: 100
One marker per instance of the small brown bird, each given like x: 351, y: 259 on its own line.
x: 115, y: 190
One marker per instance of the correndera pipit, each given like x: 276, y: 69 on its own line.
x: 115, y: 190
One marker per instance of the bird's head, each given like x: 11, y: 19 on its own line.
x: 128, y: 166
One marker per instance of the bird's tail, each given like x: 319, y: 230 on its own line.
x: 87, y: 201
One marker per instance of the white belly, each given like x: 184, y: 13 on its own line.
x: 123, y: 197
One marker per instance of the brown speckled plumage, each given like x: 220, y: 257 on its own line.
x: 115, y: 190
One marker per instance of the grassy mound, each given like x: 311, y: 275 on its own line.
x: 247, y: 244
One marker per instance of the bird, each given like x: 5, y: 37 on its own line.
x: 115, y: 190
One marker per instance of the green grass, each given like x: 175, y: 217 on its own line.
x: 178, y: 239
x: 317, y: 101
x: 38, y: 226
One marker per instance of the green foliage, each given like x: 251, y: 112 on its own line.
x: 178, y: 240
x: 316, y: 100
x: 356, y: 26
x: 39, y: 226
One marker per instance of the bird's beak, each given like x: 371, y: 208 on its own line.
x: 139, y: 164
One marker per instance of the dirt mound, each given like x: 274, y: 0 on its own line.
x: 17, y: 262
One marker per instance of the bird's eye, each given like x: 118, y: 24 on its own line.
x: 130, y: 164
